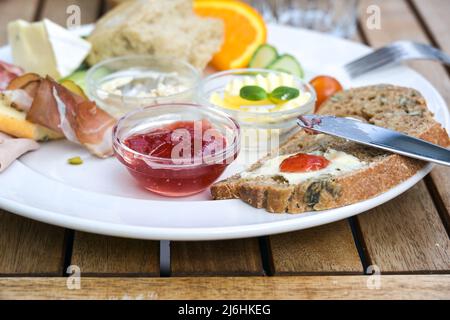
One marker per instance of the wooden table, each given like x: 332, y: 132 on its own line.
x: 407, y: 238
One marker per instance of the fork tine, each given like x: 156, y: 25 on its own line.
x: 372, y: 57
x: 374, y: 60
x: 389, y: 59
x: 395, y: 52
x: 368, y: 63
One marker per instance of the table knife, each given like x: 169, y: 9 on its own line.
x: 377, y: 137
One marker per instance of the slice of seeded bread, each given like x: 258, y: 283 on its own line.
x: 397, y: 108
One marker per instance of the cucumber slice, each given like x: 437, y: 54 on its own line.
x: 79, y: 77
x: 287, y: 63
x: 263, y: 56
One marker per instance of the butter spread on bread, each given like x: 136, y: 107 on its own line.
x: 340, y: 163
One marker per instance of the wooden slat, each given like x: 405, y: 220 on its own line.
x: 257, y: 288
x: 419, y: 241
x: 406, y: 235
x: 399, y: 22
x: 55, y: 10
x: 30, y: 248
x: 15, y: 9
x: 326, y: 249
x: 109, y: 4
x: 232, y: 257
x: 434, y: 14
x: 408, y: 27
x: 96, y: 255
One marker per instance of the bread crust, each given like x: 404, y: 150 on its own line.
x: 331, y: 192
x: 322, y: 194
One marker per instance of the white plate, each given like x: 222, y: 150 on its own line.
x: 99, y: 196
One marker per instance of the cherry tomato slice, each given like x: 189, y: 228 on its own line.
x: 325, y: 87
x: 302, y: 162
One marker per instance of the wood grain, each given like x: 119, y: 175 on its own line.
x: 231, y: 257
x: 30, y: 248
x: 406, y: 235
x: 326, y: 249
x: 102, y: 255
x: 55, y: 10
x: 399, y: 22
x: 27, y: 247
x: 418, y: 242
x: 434, y: 15
x: 408, y: 27
x: 96, y: 254
x: 15, y: 9
x: 257, y: 288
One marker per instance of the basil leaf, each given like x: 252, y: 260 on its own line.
x: 253, y: 93
x: 282, y: 94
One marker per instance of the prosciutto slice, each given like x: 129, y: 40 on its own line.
x: 44, y: 109
x: 21, y: 91
x: 7, y: 73
x: 78, y: 119
x: 18, y: 99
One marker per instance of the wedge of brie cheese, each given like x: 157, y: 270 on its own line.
x: 46, y: 48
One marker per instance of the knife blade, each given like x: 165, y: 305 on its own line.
x: 377, y: 137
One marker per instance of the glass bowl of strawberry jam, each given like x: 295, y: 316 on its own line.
x: 176, y: 149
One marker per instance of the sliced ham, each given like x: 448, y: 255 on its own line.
x: 85, y: 122
x: 8, y: 72
x: 94, y: 127
x: 44, y: 109
x: 57, y: 108
x: 18, y: 99
x: 22, y: 90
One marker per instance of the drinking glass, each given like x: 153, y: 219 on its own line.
x: 337, y: 17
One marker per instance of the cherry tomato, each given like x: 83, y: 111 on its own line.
x: 302, y: 162
x: 325, y: 87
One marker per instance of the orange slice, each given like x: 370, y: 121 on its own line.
x: 245, y: 30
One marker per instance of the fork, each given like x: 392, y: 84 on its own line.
x: 394, y: 53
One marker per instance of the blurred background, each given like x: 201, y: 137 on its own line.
x: 337, y: 17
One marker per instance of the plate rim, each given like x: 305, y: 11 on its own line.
x: 219, y: 233
x: 209, y: 233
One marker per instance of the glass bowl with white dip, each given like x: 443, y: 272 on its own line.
x: 120, y: 85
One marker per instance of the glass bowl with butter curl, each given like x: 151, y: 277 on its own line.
x: 266, y: 103
x: 123, y: 84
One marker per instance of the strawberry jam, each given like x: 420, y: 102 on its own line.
x: 178, y: 159
x: 302, y: 162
